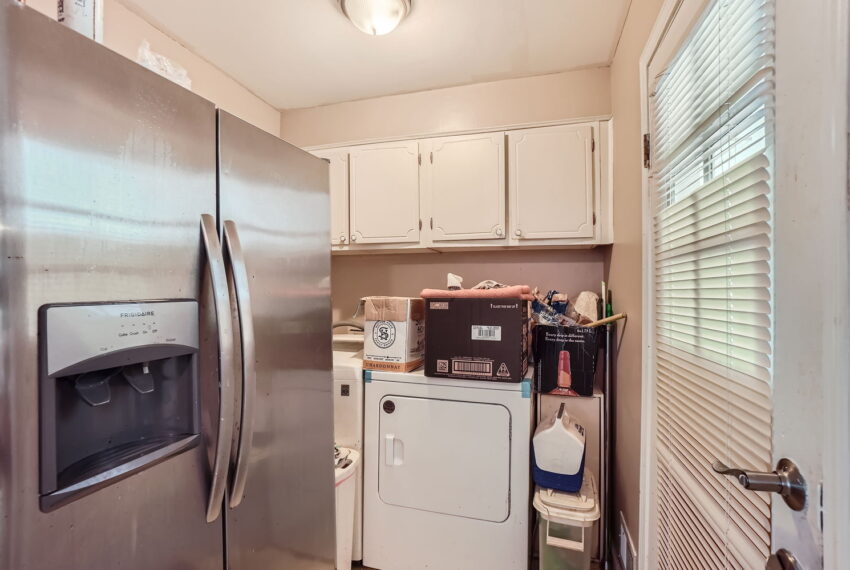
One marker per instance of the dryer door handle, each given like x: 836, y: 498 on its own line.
x: 393, y: 450
x: 389, y: 449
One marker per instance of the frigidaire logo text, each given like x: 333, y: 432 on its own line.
x: 137, y: 314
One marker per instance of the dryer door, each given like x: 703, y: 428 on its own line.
x: 445, y: 456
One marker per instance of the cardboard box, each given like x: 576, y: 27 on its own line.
x: 565, y: 359
x: 477, y: 339
x: 394, y: 333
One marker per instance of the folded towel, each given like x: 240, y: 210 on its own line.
x: 513, y: 292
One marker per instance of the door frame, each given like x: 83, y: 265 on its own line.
x: 816, y: 107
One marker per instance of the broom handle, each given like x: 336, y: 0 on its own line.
x: 606, y: 320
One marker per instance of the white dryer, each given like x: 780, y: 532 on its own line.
x: 348, y: 417
x: 446, y: 476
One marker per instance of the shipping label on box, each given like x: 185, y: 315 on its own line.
x: 394, y: 333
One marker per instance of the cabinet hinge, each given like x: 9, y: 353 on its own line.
x: 432, y: 223
x: 592, y: 145
x: 420, y: 159
x: 646, y: 150
x: 420, y: 224
x: 432, y: 158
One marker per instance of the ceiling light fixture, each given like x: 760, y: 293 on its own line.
x: 375, y: 17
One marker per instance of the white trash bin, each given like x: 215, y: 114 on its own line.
x: 345, y: 470
x: 564, y: 525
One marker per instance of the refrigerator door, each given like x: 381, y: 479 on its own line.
x: 276, y: 197
x: 105, y: 170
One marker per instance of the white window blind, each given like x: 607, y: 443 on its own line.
x: 711, y: 181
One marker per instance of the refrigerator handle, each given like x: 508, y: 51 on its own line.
x: 249, y: 374
x: 221, y: 302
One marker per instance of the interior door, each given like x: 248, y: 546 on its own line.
x: 338, y: 182
x: 276, y: 197
x: 469, y: 478
x: 466, y: 187
x: 742, y: 182
x: 384, y: 193
x: 550, y: 175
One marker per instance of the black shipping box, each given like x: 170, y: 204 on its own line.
x: 565, y: 359
x: 477, y: 339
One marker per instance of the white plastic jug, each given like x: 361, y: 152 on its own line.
x: 559, y: 444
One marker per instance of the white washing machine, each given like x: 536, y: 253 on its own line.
x: 446, y: 475
x: 348, y: 417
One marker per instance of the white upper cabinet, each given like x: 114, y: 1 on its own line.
x: 546, y: 186
x: 551, y: 174
x: 464, y: 186
x: 384, y: 193
x: 338, y: 180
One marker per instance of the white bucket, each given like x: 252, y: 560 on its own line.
x: 346, y: 467
x: 565, y: 522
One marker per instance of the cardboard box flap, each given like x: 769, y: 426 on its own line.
x: 394, y: 309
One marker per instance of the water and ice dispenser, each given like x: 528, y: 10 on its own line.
x: 118, y: 392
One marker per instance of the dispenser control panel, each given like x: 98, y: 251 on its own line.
x: 78, y: 332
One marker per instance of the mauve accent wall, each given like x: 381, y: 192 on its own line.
x: 353, y: 277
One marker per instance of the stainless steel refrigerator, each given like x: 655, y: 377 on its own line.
x: 165, y: 384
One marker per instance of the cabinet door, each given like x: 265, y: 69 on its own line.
x: 384, y: 193
x: 551, y: 182
x: 338, y: 180
x: 466, y: 187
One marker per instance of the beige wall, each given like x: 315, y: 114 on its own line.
x: 358, y: 276
x: 625, y: 266
x: 124, y: 31
x: 571, y: 94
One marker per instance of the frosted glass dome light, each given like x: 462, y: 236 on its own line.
x: 375, y: 17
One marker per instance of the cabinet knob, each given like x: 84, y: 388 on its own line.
x: 517, y: 233
x: 341, y: 239
x: 353, y: 237
x: 498, y: 231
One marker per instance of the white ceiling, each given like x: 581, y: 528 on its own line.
x: 301, y: 53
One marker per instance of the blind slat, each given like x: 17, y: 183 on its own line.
x: 734, y: 306
x: 709, y: 228
x: 747, y: 253
x: 706, y: 314
x: 715, y: 239
x: 716, y: 326
x: 709, y: 254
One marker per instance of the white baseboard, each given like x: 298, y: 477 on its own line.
x: 624, y: 549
